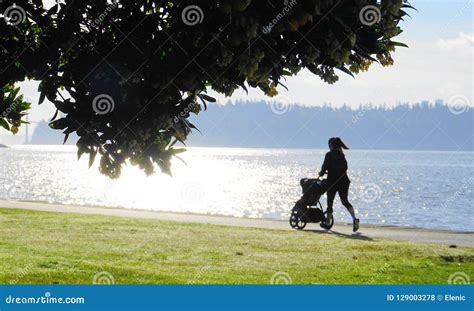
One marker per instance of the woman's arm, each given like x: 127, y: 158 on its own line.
x: 324, y: 168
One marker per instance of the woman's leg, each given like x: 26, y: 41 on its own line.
x: 343, y: 194
x: 331, y: 194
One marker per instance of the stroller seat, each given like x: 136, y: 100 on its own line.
x: 308, y: 209
x: 313, y: 189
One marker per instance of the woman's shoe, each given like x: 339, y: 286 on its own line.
x: 327, y: 221
x: 355, y: 225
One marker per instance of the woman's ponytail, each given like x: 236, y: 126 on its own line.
x: 341, y: 144
x: 337, y: 143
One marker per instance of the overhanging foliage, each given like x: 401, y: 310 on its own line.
x: 125, y: 75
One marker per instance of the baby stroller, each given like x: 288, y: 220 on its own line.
x: 308, y: 209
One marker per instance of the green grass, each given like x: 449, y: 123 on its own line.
x: 43, y: 247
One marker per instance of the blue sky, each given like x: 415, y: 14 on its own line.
x: 437, y: 19
x: 438, y: 65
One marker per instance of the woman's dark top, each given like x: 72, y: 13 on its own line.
x: 335, y: 165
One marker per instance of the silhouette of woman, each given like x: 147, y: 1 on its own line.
x: 335, y: 166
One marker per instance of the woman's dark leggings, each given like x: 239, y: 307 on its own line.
x: 343, y: 189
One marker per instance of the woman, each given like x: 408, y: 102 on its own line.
x: 335, y: 165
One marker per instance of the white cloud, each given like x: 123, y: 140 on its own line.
x: 463, y: 41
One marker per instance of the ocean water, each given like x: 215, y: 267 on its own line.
x: 401, y: 188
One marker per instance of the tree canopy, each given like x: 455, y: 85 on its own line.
x: 125, y: 75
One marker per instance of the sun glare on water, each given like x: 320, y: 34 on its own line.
x: 256, y: 183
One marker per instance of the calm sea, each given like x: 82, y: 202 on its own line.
x: 402, y: 188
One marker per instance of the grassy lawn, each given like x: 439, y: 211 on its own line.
x: 43, y: 247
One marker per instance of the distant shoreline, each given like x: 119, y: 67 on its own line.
x: 256, y: 124
x: 263, y: 148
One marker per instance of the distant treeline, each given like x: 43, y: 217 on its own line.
x: 422, y: 126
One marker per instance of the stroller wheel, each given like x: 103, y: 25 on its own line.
x: 294, y: 221
x: 328, y: 226
x: 300, y: 225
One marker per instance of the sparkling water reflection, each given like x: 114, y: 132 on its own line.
x: 423, y: 189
